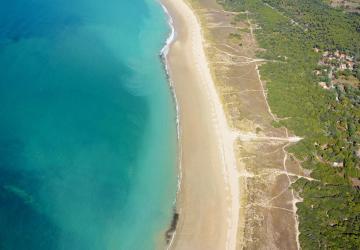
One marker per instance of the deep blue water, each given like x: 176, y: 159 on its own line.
x: 87, y: 125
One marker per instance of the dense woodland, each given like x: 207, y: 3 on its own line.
x: 327, y: 119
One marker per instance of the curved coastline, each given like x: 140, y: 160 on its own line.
x: 219, y: 227
x: 171, y: 232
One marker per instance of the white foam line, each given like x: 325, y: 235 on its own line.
x: 164, y: 53
x: 165, y: 50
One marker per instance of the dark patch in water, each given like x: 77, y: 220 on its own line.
x: 170, y: 232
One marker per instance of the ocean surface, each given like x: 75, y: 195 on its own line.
x: 87, y: 125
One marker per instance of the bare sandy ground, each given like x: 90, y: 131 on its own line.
x: 266, y: 170
x: 209, y: 198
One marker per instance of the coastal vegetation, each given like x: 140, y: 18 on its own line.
x: 320, y: 99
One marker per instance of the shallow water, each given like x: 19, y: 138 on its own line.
x: 87, y: 125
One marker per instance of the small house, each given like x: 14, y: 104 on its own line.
x: 350, y: 65
x: 338, y: 164
x: 323, y: 85
x: 342, y: 66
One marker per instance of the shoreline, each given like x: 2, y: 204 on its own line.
x: 222, y: 153
x: 163, y: 55
x: 171, y: 231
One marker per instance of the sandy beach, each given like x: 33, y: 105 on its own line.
x: 208, y: 198
x: 259, y: 204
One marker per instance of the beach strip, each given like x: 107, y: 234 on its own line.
x: 208, y: 198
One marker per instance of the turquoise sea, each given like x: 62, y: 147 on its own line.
x: 87, y: 125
